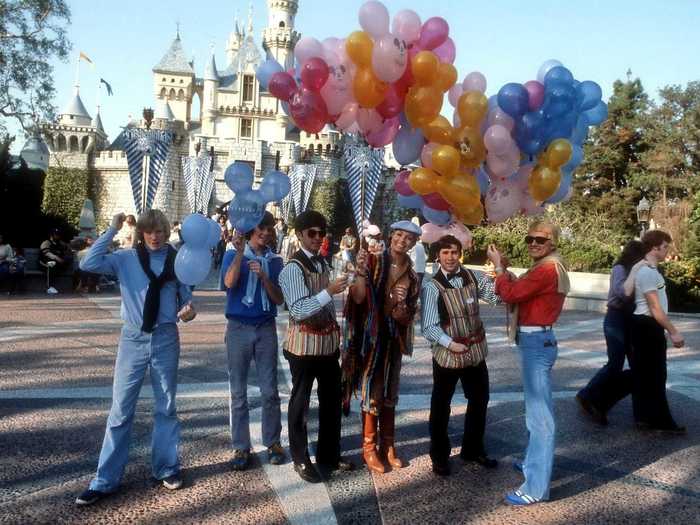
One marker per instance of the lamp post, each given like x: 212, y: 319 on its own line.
x: 643, y: 214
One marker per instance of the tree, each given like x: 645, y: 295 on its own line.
x: 32, y: 34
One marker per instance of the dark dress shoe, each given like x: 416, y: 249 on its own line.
x: 672, y: 429
x: 597, y: 416
x: 481, y: 459
x: 343, y: 464
x: 441, y: 469
x: 307, y: 472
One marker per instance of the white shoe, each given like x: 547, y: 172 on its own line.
x: 52, y: 291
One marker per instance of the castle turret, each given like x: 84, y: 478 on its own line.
x: 279, y: 37
x: 211, y: 83
x: 235, y: 40
x: 173, y: 80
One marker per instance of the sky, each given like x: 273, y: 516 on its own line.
x: 506, y: 40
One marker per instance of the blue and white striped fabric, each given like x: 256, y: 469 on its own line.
x: 206, y: 182
x: 286, y: 205
x: 141, y: 142
x: 301, y: 178
x: 364, y: 166
x: 295, y: 189
x: 308, y: 184
x: 188, y: 169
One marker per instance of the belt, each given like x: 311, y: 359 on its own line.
x: 530, y: 329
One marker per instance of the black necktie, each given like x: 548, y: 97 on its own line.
x: 317, y: 259
x: 152, y: 305
x: 451, y: 276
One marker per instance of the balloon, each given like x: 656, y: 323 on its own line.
x: 544, y: 182
x: 265, y: 71
x: 438, y: 130
x: 246, y: 211
x: 410, y: 201
x: 401, y: 183
x: 348, y: 116
x: 503, y: 166
x: 535, y: 92
x: 214, y: 234
x: 275, y: 186
x: 436, y: 202
x: 282, y: 85
x: 426, y: 156
x: 423, y: 181
x: 446, y: 51
x: 385, y: 134
x: 513, y: 99
x: 472, y: 108
x: 497, y: 139
x: 392, y: 104
x: 307, y: 48
x: 195, y: 230
x: 559, y: 74
x: 575, y: 161
x: 446, y: 77
x: 374, y: 18
x: 445, y: 160
x: 433, y: 232
x: 559, y: 98
x: 406, y: 25
x: 563, y: 191
x: 192, y: 265
x: 557, y: 154
x: 389, y: 58
x: 502, y: 201
x: 422, y: 105
x: 454, y: 93
x: 474, y: 81
x: 598, y: 114
x: 337, y: 91
x: 471, y: 216
x: 580, y: 133
x: 470, y: 144
x: 436, y: 216
x: 462, y: 191
x: 314, y: 73
x: 239, y: 177
x: 407, y: 146
x: 483, y: 180
x: 308, y: 110
x: 368, y: 120
x: 498, y: 117
x: 358, y: 46
x: 433, y: 33
x: 424, y: 67
x: 544, y: 69
x: 368, y: 90
x: 589, y: 94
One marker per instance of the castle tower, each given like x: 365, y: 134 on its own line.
x: 279, y: 37
x: 173, y: 80
x: 210, y: 97
x: 235, y: 40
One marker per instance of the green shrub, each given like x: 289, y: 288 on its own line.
x: 683, y: 284
x: 65, y: 191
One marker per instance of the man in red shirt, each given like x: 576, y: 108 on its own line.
x: 536, y: 299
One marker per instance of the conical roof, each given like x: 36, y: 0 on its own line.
x: 163, y: 111
x: 76, y: 107
x: 97, y: 121
x: 174, y: 61
x: 210, y: 72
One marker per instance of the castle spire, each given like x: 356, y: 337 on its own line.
x: 250, y: 19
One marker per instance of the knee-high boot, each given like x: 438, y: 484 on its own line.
x: 369, y: 442
x: 386, y: 433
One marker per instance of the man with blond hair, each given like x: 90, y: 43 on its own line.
x: 536, y: 298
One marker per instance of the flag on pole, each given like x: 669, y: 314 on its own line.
x: 107, y: 86
x: 364, y: 166
x: 83, y: 56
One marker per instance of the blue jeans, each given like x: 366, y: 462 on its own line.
x: 138, y: 351
x: 243, y: 344
x: 538, y: 352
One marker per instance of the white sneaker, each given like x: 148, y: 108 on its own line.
x: 52, y: 291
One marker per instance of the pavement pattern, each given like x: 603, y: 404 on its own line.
x: 56, y: 360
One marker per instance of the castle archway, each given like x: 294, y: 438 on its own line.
x: 61, y: 143
x: 196, y: 111
x: 73, y: 144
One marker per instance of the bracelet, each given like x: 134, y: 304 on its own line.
x: 498, y: 269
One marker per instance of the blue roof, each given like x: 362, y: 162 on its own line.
x: 174, y: 61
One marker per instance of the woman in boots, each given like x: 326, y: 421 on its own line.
x: 379, y: 315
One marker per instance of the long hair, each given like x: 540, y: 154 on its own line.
x: 151, y: 220
x: 632, y: 253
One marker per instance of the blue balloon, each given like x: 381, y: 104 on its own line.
x: 529, y: 132
x: 513, y: 99
x: 493, y: 102
x: 589, y: 94
x: 239, y: 176
x: 414, y: 201
x: 214, y: 234
x: 559, y: 98
x: 545, y: 67
x: 558, y: 74
x: 598, y: 114
x: 560, y: 128
x: 403, y: 120
x: 195, y: 230
x: 265, y: 71
x: 192, y: 265
x: 563, y: 190
x: 275, y: 186
x: 436, y: 216
x: 484, y: 181
x: 246, y: 210
x: 580, y: 133
x: 575, y: 161
x: 408, y: 145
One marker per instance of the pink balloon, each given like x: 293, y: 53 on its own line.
x: 392, y: 104
x: 385, y: 134
x: 282, y: 85
x: 306, y: 48
x: 454, y: 93
x: 474, y: 81
x: 348, y: 116
x: 389, y: 58
x: 433, y: 33
x: 501, y: 166
x: 401, y: 183
x: 497, y: 139
x: 433, y: 232
x: 436, y: 202
x: 368, y: 120
x: 498, y: 117
x: 529, y: 207
x: 426, y: 156
x: 535, y: 92
x: 446, y: 51
x: 374, y: 18
x: 522, y: 176
x: 406, y: 25
x: 337, y: 91
x: 456, y: 119
x: 314, y: 73
x: 502, y: 201
x: 308, y: 110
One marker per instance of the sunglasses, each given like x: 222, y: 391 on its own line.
x: 315, y: 233
x: 529, y: 239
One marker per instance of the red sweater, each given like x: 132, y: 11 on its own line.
x: 535, y: 293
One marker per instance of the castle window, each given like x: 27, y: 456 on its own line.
x: 172, y: 80
x: 163, y: 93
x: 246, y: 128
x: 282, y: 24
x: 61, y: 143
x: 165, y: 79
x: 73, y: 143
x: 181, y: 81
x: 180, y: 94
x: 247, y: 88
x: 171, y: 95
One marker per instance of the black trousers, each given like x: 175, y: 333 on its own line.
x: 326, y: 372
x: 649, y: 373
x: 475, y: 384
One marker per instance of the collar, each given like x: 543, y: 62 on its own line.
x: 265, y: 252
x: 308, y: 253
x: 447, y: 275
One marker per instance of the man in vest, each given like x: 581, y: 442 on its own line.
x: 538, y: 298
x: 451, y: 323
x: 312, y: 349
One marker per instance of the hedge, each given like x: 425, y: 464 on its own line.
x: 65, y: 191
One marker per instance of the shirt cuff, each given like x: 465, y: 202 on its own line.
x: 323, y: 297
x: 445, y: 340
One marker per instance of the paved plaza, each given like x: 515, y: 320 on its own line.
x: 56, y: 360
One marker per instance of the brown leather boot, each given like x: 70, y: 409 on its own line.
x: 369, y: 442
x: 386, y: 432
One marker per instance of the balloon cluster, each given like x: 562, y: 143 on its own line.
x: 248, y: 205
x: 193, y: 260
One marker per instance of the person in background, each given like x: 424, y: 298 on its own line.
x: 280, y: 232
x: 55, y: 251
x: 348, y: 247
x: 419, y: 260
x: 221, y: 245
x: 126, y: 235
x: 86, y: 281
x: 612, y: 383
x: 11, y: 266
x: 175, y: 239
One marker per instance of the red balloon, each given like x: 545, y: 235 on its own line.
x: 401, y: 183
x: 314, y: 73
x: 406, y: 81
x: 392, y: 104
x: 385, y: 134
x: 308, y: 109
x: 282, y: 85
x: 436, y: 202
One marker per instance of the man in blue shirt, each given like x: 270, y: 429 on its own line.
x: 251, y: 277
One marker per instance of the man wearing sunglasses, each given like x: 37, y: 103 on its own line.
x: 312, y: 349
x: 537, y: 298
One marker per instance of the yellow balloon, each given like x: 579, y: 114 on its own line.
x: 557, y: 153
x: 446, y: 76
x: 472, y: 107
x: 446, y: 160
x: 422, y: 105
x: 439, y: 130
x: 423, y: 181
x: 471, y: 147
x: 358, y: 46
x: 424, y: 67
x: 471, y: 216
x: 543, y: 182
x: 461, y: 191
x: 369, y: 91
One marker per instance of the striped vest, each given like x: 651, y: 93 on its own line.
x: 318, y: 335
x: 459, y: 312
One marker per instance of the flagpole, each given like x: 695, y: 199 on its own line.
x: 77, y: 73
x: 144, y: 181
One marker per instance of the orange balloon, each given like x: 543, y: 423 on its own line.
x: 461, y: 191
x: 424, y: 67
x: 470, y: 144
x: 369, y: 91
x: 439, y: 130
x: 472, y: 107
x: 557, y: 153
x: 471, y: 216
x: 358, y: 46
x: 423, y: 181
x: 446, y: 160
x: 543, y: 182
x: 422, y: 105
x: 446, y: 77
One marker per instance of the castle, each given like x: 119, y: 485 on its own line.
x: 237, y: 118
